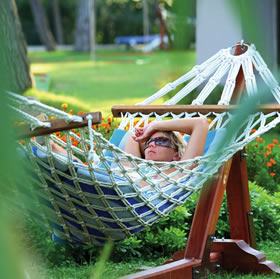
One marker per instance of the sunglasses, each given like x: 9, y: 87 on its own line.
x: 159, y: 141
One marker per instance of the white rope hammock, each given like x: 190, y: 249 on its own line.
x: 104, y: 199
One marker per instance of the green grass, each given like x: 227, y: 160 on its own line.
x: 111, y: 270
x: 116, y: 77
x: 116, y: 270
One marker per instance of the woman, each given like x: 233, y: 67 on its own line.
x: 158, y: 141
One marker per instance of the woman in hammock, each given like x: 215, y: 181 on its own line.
x: 160, y: 140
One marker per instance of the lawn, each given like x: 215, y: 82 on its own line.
x: 113, y: 270
x: 115, y: 77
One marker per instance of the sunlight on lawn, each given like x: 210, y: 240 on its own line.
x: 42, y: 68
x: 79, y: 106
x: 115, y: 78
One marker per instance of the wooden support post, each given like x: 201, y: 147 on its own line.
x: 205, y: 219
x: 238, y: 201
x: 238, y: 256
x: 237, y: 252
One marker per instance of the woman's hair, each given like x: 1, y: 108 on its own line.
x: 177, y: 140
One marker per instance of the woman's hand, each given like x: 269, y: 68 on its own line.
x: 142, y: 134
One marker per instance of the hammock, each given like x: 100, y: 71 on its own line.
x: 89, y: 203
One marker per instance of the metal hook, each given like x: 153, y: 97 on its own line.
x: 242, y: 46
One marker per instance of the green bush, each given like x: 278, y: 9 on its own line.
x: 39, y: 242
x: 129, y: 247
x: 264, y: 163
x: 159, y: 240
x: 266, y: 213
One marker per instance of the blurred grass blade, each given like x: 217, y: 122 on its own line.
x: 10, y: 257
x: 100, y: 266
x: 246, y: 108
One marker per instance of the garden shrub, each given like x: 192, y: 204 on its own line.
x: 161, y: 239
x: 170, y: 234
x: 37, y: 240
x: 266, y: 213
x: 129, y: 247
x: 264, y: 163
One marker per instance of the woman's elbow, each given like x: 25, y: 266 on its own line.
x: 203, y: 124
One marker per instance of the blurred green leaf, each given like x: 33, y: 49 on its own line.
x: 99, y: 268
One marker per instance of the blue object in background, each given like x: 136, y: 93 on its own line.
x: 135, y: 40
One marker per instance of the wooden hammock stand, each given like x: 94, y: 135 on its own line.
x: 203, y: 252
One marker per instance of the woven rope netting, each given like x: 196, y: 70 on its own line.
x: 108, y: 193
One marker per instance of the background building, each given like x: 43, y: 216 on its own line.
x: 219, y: 25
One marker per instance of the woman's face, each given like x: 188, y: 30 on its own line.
x: 156, y: 152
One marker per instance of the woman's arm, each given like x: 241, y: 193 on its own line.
x: 132, y: 147
x: 196, y: 127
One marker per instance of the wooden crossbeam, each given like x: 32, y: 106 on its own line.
x: 57, y: 125
x: 161, y: 109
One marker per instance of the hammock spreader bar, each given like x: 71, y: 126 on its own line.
x: 57, y: 125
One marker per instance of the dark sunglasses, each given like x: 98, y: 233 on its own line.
x: 159, y: 141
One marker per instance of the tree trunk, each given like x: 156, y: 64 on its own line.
x: 42, y: 24
x: 84, y: 36
x: 15, y: 75
x: 146, y: 22
x: 57, y: 22
x: 163, y: 30
x: 92, y: 27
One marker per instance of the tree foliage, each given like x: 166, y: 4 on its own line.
x: 113, y: 18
